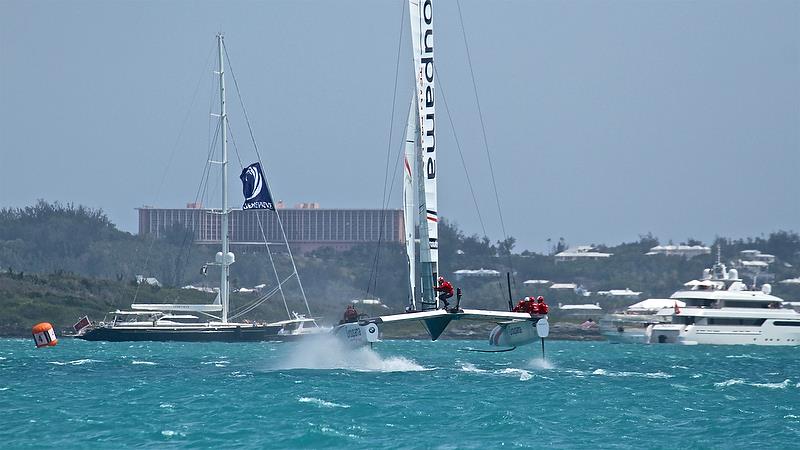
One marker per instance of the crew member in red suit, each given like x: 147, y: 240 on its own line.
x: 542, y: 306
x: 446, y: 290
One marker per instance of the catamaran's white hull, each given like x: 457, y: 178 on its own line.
x: 355, y: 336
x: 513, y: 334
x: 767, y: 334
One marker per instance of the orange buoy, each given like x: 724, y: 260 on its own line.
x: 44, y: 335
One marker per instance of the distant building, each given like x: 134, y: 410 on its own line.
x: 755, y: 255
x: 141, y: 279
x: 686, y: 251
x: 570, y: 286
x: 307, y: 228
x: 581, y: 253
x: 466, y: 273
x: 535, y: 282
x: 755, y: 265
x: 583, y: 311
x: 620, y: 293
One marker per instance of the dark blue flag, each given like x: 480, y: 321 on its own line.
x: 254, y: 187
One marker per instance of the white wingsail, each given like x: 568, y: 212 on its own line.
x: 421, y: 14
x: 409, y: 192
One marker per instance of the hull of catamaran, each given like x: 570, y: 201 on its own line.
x: 354, y: 335
x: 184, y: 334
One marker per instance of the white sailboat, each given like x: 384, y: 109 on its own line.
x: 420, y: 209
x: 182, y: 322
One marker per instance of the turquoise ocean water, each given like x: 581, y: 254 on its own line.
x: 404, y: 394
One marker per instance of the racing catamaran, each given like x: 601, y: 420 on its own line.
x: 420, y: 210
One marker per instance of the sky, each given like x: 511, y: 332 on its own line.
x: 605, y: 120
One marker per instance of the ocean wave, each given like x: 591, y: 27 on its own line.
x: 738, y: 381
x: 469, y: 367
x: 524, y: 375
x: 145, y: 363
x: 171, y: 433
x: 731, y: 382
x: 745, y: 356
x: 77, y: 362
x: 782, y: 385
x: 632, y: 374
x: 321, y: 403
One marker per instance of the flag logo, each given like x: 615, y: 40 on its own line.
x: 254, y: 188
x: 83, y: 323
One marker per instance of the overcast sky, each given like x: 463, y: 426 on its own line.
x: 605, y: 119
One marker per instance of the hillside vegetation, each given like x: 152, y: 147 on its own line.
x: 58, y: 262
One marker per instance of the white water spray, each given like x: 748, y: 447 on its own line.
x: 328, y: 352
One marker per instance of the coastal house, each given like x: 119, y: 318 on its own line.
x: 685, y: 251
x: 461, y: 274
x: 620, y: 293
x: 581, y: 253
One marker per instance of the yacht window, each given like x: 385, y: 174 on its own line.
x: 686, y: 320
x: 727, y: 321
x: 699, y: 302
x: 737, y: 304
x: 786, y: 324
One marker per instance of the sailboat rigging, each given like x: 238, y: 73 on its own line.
x: 420, y: 209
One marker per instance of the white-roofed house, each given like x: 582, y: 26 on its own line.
x: 582, y: 311
x: 479, y: 273
x: 620, y: 293
x: 581, y: 253
x: 686, y: 251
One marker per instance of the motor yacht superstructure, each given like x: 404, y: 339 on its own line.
x: 721, y: 310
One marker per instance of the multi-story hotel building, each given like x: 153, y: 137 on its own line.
x: 307, y: 226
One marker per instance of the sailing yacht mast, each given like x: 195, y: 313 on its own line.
x: 223, y: 257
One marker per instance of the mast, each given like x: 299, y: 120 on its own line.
x: 223, y: 258
x: 409, y: 193
x: 421, y: 14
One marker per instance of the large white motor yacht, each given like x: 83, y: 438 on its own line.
x: 721, y: 310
